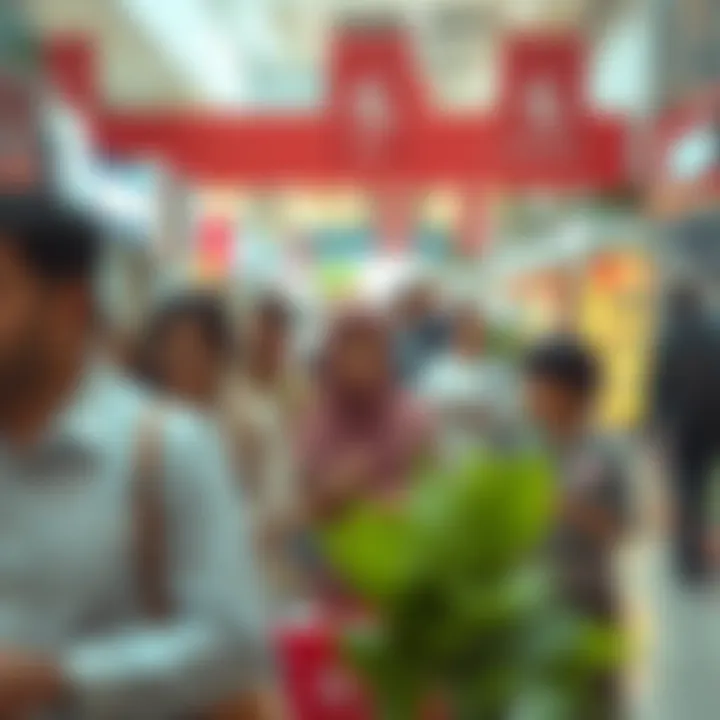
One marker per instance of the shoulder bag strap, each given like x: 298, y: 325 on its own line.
x: 150, y: 540
x: 151, y: 558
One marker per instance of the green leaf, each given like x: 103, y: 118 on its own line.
x: 463, y: 600
x: 571, y: 650
x: 488, y: 514
x: 542, y: 702
x: 372, y: 549
x: 482, y: 607
x: 398, y: 684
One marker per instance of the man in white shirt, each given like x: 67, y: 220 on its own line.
x: 75, y: 639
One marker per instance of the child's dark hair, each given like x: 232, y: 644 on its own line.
x: 205, y: 310
x: 56, y: 241
x: 273, y: 309
x: 566, y: 361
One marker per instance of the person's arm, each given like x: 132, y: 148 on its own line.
x: 600, y: 508
x: 594, y: 519
x: 330, y: 489
x: 216, y: 645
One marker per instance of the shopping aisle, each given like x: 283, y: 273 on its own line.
x: 678, y: 673
x: 679, y: 678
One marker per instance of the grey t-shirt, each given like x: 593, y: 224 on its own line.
x: 592, y: 471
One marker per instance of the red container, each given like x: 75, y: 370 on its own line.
x: 318, y: 685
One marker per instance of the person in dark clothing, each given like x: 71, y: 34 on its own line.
x: 685, y: 416
x: 422, y: 331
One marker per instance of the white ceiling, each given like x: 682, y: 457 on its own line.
x: 131, y: 69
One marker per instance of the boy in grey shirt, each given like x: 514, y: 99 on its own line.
x: 562, y: 383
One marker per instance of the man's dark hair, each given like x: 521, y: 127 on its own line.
x: 203, y: 309
x: 56, y: 241
x: 567, y: 362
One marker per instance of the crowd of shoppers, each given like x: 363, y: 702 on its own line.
x: 685, y: 407
x: 213, y: 440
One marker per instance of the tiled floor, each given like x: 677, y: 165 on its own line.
x: 678, y: 673
x: 679, y: 678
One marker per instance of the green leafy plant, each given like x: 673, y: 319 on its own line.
x: 463, y: 603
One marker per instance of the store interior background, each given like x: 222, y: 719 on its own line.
x: 535, y: 156
x: 234, y: 154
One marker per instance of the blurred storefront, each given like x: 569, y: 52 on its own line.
x: 608, y: 297
x: 378, y: 169
x: 688, y: 52
x: 130, y: 205
x: 586, y: 272
x: 617, y: 315
x: 684, y: 170
x: 315, y: 202
x: 22, y: 154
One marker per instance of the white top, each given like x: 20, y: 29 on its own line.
x: 261, y: 419
x: 67, y: 581
x: 470, y: 396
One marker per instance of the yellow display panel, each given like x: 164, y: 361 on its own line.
x: 616, y: 318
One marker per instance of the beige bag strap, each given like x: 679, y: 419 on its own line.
x: 150, y: 551
x: 150, y: 537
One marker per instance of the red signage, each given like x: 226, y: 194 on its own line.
x: 71, y: 69
x: 552, y: 63
x: 543, y: 114
x: 376, y: 126
x: 374, y: 100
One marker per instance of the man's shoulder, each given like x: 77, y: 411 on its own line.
x: 187, y: 427
x: 180, y: 425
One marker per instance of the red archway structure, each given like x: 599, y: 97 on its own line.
x: 377, y: 126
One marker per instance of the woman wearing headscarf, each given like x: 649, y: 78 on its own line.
x: 366, y: 436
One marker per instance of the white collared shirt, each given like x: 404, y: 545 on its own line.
x: 67, y: 567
